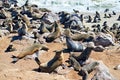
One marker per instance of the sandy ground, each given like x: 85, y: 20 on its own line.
x: 27, y: 69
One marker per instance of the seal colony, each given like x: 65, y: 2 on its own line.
x: 79, y: 32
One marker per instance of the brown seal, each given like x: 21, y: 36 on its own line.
x: 53, y: 63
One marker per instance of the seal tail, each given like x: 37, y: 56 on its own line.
x: 15, y: 59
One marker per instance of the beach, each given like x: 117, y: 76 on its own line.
x: 26, y: 69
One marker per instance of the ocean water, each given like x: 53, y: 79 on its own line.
x: 81, y: 5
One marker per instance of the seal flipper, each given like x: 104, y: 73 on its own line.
x: 35, y: 56
x: 15, y: 59
x: 37, y: 60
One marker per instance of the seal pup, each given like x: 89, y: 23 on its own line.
x: 118, y: 18
x: 52, y: 36
x: 55, y: 62
x: 86, y: 69
x: 34, y: 48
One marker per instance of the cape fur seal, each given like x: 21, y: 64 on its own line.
x: 29, y: 51
x: 85, y: 37
x: 43, y: 28
x: 52, y: 36
x: 85, y: 54
x: 74, y: 63
x: 86, y: 69
x: 23, y: 30
x: 72, y: 45
x: 25, y: 19
x: 53, y: 63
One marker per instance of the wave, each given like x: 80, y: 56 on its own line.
x: 81, y: 5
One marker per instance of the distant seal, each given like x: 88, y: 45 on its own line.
x: 76, y: 11
x: 95, y: 20
x: 105, y: 23
x: 89, y: 19
x: 118, y: 18
x: 106, y: 10
x: 81, y: 18
x: 113, y: 12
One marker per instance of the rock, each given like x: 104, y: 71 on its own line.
x: 50, y: 18
x: 102, y: 73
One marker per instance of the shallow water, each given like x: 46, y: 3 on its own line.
x: 81, y: 5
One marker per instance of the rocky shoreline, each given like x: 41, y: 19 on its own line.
x: 80, y: 46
